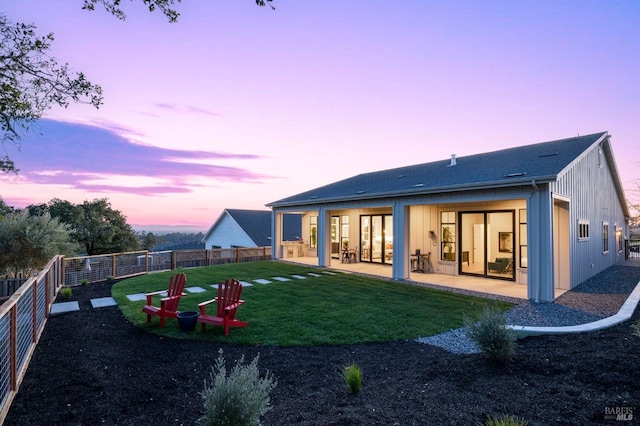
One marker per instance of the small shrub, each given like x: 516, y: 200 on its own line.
x: 636, y: 328
x: 353, y: 377
x: 505, y: 420
x: 110, y: 278
x: 66, y: 292
x: 491, y: 334
x: 239, y: 398
x: 84, y: 281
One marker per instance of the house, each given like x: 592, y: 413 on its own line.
x: 249, y: 228
x: 548, y: 215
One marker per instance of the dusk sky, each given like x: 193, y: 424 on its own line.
x: 236, y: 106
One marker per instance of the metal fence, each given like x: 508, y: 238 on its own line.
x: 24, y: 314
x: 634, y: 250
x: 88, y: 269
x: 22, y: 319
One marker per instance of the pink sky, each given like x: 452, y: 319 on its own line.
x: 236, y: 106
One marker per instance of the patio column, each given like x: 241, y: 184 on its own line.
x: 324, y: 237
x: 540, y: 244
x: 400, y: 269
x: 276, y: 235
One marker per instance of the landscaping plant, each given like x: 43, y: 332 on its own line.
x: 353, y: 377
x: 636, y: 328
x: 66, y: 292
x: 237, y: 399
x: 505, y: 420
x: 491, y: 334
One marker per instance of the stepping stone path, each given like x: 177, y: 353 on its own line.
x: 103, y: 302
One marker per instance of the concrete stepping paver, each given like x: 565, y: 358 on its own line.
x: 136, y: 297
x: 245, y: 284
x: 195, y: 289
x: 313, y: 274
x: 262, y: 281
x: 64, y: 307
x: 299, y: 277
x: 328, y: 272
x: 281, y: 279
x: 103, y: 302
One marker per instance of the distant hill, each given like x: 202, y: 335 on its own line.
x: 169, y: 229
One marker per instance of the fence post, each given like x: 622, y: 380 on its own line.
x: 173, y: 260
x: 13, y: 349
x: 113, y: 266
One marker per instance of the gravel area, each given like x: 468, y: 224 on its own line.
x: 599, y: 297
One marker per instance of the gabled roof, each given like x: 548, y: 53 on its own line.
x: 257, y: 225
x: 541, y: 162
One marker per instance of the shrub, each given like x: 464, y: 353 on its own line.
x: 84, y: 281
x: 66, y: 292
x: 239, y: 398
x: 636, y: 328
x: 505, y: 420
x: 353, y: 377
x: 491, y: 334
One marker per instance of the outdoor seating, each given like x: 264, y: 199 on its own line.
x: 228, y: 301
x: 168, y: 305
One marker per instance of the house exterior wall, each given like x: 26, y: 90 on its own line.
x: 227, y: 234
x: 590, y: 189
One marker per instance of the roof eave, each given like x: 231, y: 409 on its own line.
x: 521, y: 181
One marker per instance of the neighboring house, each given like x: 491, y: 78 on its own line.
x: 249, y: 228
x: 548, y: 215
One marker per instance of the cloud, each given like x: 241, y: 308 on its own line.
x: 186, y: 109
x: 99, y: 159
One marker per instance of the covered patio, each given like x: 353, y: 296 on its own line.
x: 484, y: 286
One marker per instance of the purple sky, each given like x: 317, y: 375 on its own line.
x: 236, y: 106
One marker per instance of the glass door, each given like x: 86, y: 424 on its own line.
x: 376, y: 235
x: 335, y: 237
x: 487, y: 244
x: 473, y: 243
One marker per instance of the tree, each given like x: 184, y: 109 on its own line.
x: 100, y: 229
x: 31, y: 82
x: 27, y: 242
x: 4, y: 209
x: 147, y: 240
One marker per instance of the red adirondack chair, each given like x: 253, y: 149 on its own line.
x: 228, y: 301
x: 169, y: 304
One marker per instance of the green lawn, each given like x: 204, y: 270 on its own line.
x: 330, y: 309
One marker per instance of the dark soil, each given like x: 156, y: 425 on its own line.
x: 93, y: 367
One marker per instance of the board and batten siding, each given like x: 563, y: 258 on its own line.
x: 589, y: 185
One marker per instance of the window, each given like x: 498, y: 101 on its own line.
x: 313, y: 232
x: 583, y: 230
x: 523, y: 237
x: 605, y: 237
x: 619, y: 239
x: 448, y: 236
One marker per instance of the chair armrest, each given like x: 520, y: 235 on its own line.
x: 203, y: 305
x: 155, y: 293
x: 233, y: 305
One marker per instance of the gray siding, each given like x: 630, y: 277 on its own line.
x: 589, y: 185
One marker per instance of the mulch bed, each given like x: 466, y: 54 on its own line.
x: 93, y: 367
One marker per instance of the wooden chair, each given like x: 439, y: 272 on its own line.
x: 169, y: 304
x: 228, y: 301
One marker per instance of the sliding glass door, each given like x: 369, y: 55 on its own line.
x: 376, y: 234
x: 487, y: 244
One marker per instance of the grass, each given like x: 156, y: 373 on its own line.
x: 330, y: 309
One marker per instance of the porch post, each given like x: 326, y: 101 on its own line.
x: 540, y: 245
x: 400, y: 269
x: 324, y: 237
x: 276, y: 235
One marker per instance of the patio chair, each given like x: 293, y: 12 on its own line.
x: 228, y: 301
x: 168, y: 305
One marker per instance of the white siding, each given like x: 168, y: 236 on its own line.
x: 227, y: 234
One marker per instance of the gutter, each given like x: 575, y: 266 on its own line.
x: 536, y: 189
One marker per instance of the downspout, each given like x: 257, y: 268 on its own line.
x: 536, y: 189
